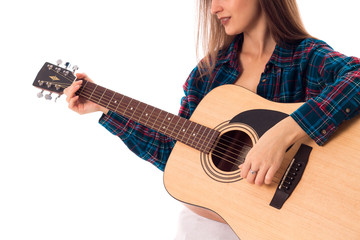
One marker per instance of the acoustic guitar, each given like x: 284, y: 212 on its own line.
x: 314, y: 195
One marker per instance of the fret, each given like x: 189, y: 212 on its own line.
x: 93, y: 92
x: 107, y: 106
x: 168, y: 121
x: 195, y: 134
x: 159, y: 121
x: 134, y: 110
x: 98, y: 95
x: 83, y: 87
x: 172, y: 133
x: 191, y: 135
x: 144, y: 113
x: 122, y: 97
x: 162, y: 117
x: 162, y: 127
x: 180, y: 130
x: 212, y: 140
x: 143, y: 107
x: 146, y: 123
x: 112, y: 100
x: 154, y: 124
x: 101, y: 96
x: 184, y: 130
x: 127, y: 106
x: 200, y: 136
x: 204, y: 139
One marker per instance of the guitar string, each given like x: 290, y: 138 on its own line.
x: 221, y: 148
x: 230, y: 140
x: 108, y: 99
x: 155, y: 125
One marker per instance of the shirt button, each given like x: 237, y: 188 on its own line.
x: 347, y: 110
x: 323, y: 132
x: 264, y: 80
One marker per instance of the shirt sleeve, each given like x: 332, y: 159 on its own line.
x: 146, y: 143
x: 339, y: 99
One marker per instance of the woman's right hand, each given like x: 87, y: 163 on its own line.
x: 79, y: 104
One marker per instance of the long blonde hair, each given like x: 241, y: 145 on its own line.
x: 283, y: 19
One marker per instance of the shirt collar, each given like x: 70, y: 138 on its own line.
x: 282, y: 55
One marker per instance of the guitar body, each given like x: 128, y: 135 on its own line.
x: 324, y: 205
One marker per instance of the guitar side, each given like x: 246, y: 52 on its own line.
x: 325, y: 203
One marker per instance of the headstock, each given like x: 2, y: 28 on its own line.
x: 54, y: 79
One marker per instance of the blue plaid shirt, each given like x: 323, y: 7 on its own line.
x: 310, y: 71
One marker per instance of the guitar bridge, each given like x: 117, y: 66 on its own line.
x: 291, y: 176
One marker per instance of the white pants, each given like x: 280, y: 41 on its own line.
x: 194, y: 227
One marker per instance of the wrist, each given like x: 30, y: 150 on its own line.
x: 292, y: 130
x: 104, y: 110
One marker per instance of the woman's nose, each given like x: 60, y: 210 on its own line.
x: 216, y: 7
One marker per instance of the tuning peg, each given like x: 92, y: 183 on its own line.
x: 48, y: 96
x: 57, y: 86
x: 67, y: 64
x: 57, y: 97
x: 58, y: 62
x: 75, y: 68
x: 40, y: 94
x: 40, y: 82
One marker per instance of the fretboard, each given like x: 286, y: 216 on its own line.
x: 180, y: 129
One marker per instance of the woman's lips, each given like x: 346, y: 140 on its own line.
x: 224, y: 20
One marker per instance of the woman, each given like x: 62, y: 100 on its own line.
x: 260, y: 45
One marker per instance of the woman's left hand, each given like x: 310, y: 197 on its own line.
x: 265, y: 158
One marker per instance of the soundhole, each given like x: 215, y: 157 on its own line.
x: 231, y: 150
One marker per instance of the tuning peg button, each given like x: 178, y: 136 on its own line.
x: 48, y: 96
x: 40, y: 94
x: 67, y: 65
x: 58, y: 62
x: 75, y: 68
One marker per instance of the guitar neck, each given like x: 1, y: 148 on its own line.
x: 180, y: 129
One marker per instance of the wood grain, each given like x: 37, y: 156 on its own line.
x: 324, y: 205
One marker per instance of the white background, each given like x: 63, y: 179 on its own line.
x: 62, y: 176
